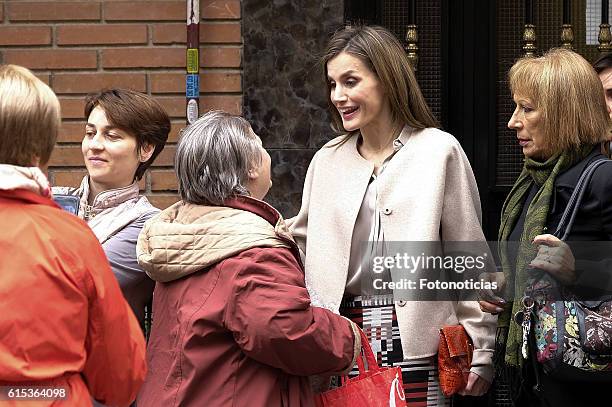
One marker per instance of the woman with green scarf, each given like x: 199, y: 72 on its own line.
x: 560, y: 118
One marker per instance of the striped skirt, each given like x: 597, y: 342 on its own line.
x: 376, y: 316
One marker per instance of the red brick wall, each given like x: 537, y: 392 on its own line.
x: 82, y: 46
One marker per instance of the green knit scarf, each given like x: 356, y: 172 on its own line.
x: 543, y: 174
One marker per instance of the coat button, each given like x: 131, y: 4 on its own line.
x: 401, y: 303
x: 387, y: 211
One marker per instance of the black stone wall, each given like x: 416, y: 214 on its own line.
x: 284, y: 90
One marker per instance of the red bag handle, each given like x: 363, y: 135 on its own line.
x: 366, y: 350
x: 369, y: 356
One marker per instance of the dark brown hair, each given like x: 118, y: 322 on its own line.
x: 136, y: 113
x: 603, y: 62
x: 384, y: 55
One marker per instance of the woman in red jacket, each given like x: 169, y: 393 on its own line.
x: 64, y: 324
x: 232, y: 324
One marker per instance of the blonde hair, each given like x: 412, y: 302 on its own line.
x: 29, y: 117
x: 564, y: 87
x: 383, y: 54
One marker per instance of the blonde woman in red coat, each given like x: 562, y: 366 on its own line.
x: 64, y: 324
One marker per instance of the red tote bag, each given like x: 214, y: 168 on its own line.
x: 373, y: 387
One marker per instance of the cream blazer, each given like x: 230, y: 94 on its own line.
x: 427, y: 193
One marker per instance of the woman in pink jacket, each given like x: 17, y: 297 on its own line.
x: 232, y: 325
x: 64, y: 324
x: 125, y: 132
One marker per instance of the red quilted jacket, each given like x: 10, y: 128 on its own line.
x: 237, y: 329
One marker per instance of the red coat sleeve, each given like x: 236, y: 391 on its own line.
x: 272, y: 321
x: 115, y: 346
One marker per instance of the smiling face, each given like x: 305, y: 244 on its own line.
x: 111, y: 154
x: 358, y: 94
x: 526, y: 121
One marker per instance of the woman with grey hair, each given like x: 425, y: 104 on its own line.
x: 231, y: 308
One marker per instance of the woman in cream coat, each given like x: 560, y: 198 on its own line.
x: 391, y: 176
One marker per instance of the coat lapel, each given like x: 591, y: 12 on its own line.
x: 349, y: 176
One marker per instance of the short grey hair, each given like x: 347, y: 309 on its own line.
x: 213, y: 158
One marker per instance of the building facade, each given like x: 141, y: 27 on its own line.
x: 260, y: 59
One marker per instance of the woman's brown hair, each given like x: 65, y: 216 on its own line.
x: 383, y: 54
x: 136, y: 113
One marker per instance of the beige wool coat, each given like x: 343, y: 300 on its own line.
x: 426, y: 193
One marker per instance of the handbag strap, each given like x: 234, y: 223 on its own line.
x: 369, y: 356
x: 569, y: 215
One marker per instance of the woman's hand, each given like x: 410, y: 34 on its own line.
x: 476, y: 386
x: 489, y: 301
x: 556, y: 258
x: 491, y: 307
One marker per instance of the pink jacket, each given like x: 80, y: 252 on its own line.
x: 232, y: 324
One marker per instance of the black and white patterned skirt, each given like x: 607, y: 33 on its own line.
x: 376, y: 316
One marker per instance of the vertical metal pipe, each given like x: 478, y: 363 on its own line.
x: 412, y: 36
x: 567, y: 32
x: 411, y: 12
x: 192, y: 78
x: 605, y: 37
x: 529, y: 33
x: 528, y: 11
x: 567, y: 7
